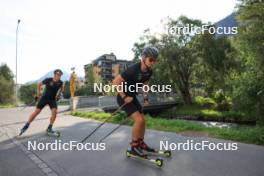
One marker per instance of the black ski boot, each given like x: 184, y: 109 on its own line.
x: 150, y: 151
x: 51, y: 132
x: 25, y: 127
x: 136, y: 149
x: 145, y: 147
x: 137, y: 153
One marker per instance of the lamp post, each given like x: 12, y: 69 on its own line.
x: 18, y: 21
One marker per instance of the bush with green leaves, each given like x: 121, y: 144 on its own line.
x: 248, y: 96
x: 223, y: 102
x: 205, y: 102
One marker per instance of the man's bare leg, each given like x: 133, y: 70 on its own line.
x: 142, y: 132
x: 138, y: 126
x: 30, y: 119
x: 52, y: 118
x: 53, y: 115
x: 137, y: 132
x: 34, y: 115
x: 141, y: 135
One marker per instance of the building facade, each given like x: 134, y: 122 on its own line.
x: 105, y: 68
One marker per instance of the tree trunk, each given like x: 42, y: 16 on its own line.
x: 186, y: 97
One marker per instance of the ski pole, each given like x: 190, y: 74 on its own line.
x: 84, y: 139
x: 111, y: 132
x: 34, y: 101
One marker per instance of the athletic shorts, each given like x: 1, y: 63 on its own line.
x: 130, y: 108
x: 43, y: 102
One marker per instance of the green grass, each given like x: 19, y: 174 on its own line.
x: 254, y: 135
x: 8, y: 105
x: 207, y: 114
x: 172, y: 125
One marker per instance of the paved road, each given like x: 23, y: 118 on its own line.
x: 16, y: 159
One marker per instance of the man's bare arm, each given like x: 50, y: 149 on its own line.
x: 61, y: 90
x: 39, y: 86
x: 117, y: 81
x: 145, y: 93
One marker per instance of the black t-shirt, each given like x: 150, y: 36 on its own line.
x: 51, y: 88
x: 133, y: 75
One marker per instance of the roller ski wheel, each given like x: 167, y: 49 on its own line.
x: 53, y: 133
x: 128, y: 153
x: 167, y: 153
x: 158, y: 162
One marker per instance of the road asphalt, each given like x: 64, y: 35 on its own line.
x: 18, y: 157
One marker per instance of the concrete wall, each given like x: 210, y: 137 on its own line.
x: 105, y: 101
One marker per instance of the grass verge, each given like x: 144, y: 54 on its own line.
x: 205, y: 113
x: 254, y: 135
x: 7, y: 106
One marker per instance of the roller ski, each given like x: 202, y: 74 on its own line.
x: 136, y: 153
x: 50, y: 132
x: 151, y: 151
x: 164, y: 153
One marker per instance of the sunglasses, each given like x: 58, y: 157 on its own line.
x: 152, y: 60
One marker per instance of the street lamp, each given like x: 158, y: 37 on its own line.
x: 18, y: 21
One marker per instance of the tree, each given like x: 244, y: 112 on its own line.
x: 137, y: 49
x: 249, y: 85
x: 66, y: 93
x: 145, y: 39
x: 160, y: 75
x: 179, y: 53
x: 90, y: 79
x: 6, y: 72
x: 251, y: 30
x: 217, y: 59
x: 7, y: 90
x: 28, y: 92
x: 6, y: 85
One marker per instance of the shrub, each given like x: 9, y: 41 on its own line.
x: 205, y: 102
x: 223, y: 102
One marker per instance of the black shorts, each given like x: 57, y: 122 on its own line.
x: 130, y: 108
x: 43, y: 102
